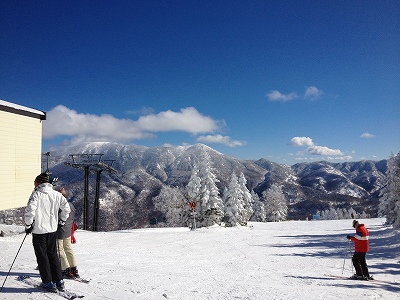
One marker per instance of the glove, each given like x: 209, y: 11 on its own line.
x: 61, y: 223
x: 348, y: 237
x: 28, y: 229
x: 73, y: 240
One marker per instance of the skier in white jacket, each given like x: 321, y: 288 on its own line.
x: 45, y: 212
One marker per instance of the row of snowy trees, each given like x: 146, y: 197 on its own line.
x: 340, y: 213
x: 236, y: 206
x: 390, y: 194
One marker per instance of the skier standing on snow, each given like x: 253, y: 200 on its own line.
x: 65, y: 238
x: 361, y: 247
x: 46, y: 212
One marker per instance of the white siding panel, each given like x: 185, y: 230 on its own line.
x: 20, y: 158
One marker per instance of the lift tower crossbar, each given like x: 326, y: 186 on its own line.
x: 91, y: 162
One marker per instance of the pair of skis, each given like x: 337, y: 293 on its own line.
x: 79, y: 279
x: 350, y: 278
x: 38, y: 284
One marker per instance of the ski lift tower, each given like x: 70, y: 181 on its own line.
x: 91, y: 162
x: 52, y: 180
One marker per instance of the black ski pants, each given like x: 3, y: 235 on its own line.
x: 45, y: 246
x: 360, y: 264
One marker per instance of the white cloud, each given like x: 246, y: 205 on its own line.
x: 278, y: 96
x: 312, y: 148
x: 322, y: 150
x: 63, y: 121
x: 312, y: 92
x: 343, y: 158
x: 220, y: 139
x: 301, y: 141
x: 143, y: 111
x: 88, y: 127
x: 188, y: 120
x: 367, y: 135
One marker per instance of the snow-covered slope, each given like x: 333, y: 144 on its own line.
x: 286, y: 260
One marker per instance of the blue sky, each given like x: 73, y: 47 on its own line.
x: 289, y: 81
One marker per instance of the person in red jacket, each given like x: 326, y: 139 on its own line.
x: 361, y: 247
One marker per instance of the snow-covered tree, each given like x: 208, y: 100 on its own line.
x: 258, y: 208
x: 173, y: 204
x: 390, y: 200
x: 203, y: 190
x: 275, y: 204
x: 238, y: 202
x: 194, y: 185
x: 233, y: 203
x: 331, y: 214
x: 341, y: 213
x: 254, y: 202
x: 247, y: 199
x: 351, y: 214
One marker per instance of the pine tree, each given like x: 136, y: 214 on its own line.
x: 258, y: 208
x: 173, y: 204
x: 193, y: 193
x: 352, y: 214
x: 341, y: 213
x: 247, y: 199
x: 194, y: 185
x: 275, y: 204
x: 233, y: 203
x: 390, y: 200
x: 203, y: 190
x: 332, y: 214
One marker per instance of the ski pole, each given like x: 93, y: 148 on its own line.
x: 348, y: 250
x: 352, y: 267
x: 13, y: 263
x: 345, y: 256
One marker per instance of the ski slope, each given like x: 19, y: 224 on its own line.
x: 286, y: 260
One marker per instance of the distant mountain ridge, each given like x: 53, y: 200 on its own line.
x: 143, y: 171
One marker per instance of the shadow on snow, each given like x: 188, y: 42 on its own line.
x: 346, y: 283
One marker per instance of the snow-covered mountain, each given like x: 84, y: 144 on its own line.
x: 126, y: 197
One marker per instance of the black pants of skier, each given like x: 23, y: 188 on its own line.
x: 360, y: 264
x: 45, y: 246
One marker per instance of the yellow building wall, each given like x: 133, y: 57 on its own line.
x: 20, y: 158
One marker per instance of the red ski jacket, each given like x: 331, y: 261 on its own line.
x: 361, y: 239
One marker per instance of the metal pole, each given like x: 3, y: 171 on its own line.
x: 194, y: 219
x: 86, y: 199
x: 96, y: 202
x: 344, y: 260
x: 345, y: 256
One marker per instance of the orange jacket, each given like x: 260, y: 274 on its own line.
x: 361, y: 238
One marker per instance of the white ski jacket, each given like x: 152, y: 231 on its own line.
x: 44, y: 209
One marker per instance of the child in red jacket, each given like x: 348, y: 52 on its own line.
x: 361, y: 247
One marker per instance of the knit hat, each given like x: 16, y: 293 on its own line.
x: 355, y: 223
x: 42, y: 178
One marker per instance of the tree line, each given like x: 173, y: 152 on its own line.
x: 235, y: 207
